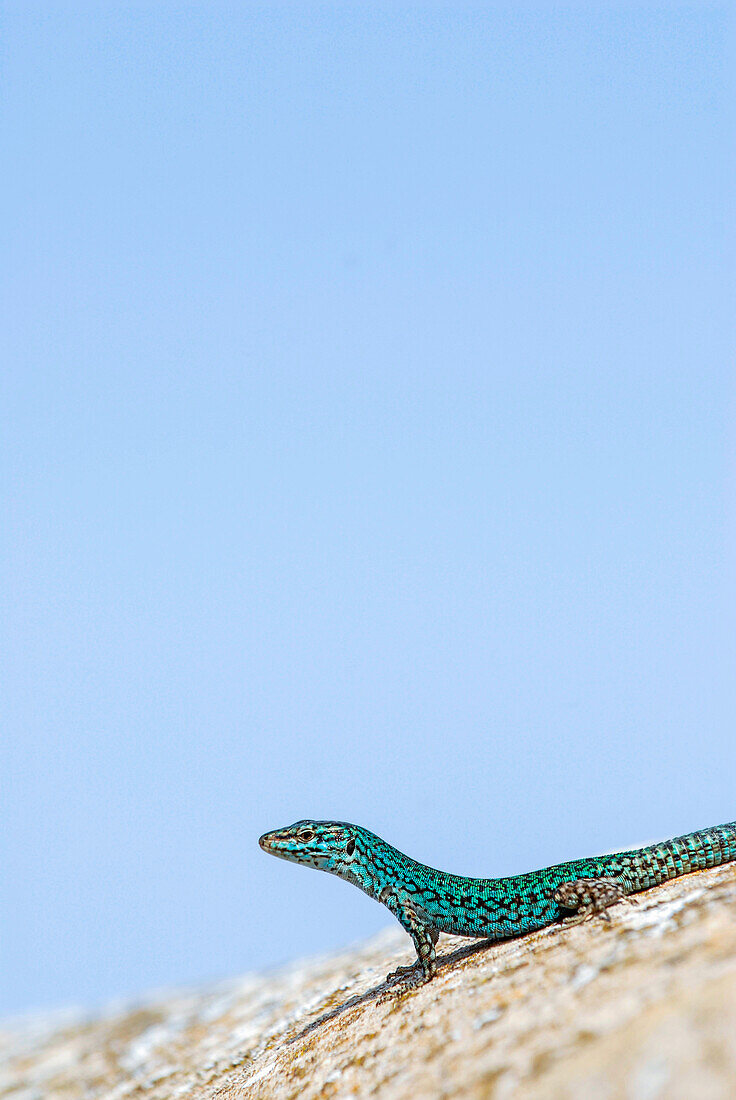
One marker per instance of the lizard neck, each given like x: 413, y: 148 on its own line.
x: 374, y: 866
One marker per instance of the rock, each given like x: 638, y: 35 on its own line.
x: 641, y: 1009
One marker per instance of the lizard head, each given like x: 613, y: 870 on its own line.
x: 327, y: 845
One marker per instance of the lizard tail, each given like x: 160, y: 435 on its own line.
x: 692, y: 852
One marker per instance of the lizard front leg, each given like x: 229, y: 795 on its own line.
x: 424, y: 937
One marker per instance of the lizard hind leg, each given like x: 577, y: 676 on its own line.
x: 590, y: 897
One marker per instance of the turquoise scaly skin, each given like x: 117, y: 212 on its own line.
x: 427, y: 902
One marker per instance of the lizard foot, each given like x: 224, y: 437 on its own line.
x: 408, y: 977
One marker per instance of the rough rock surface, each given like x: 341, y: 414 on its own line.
x: 643, y: 1008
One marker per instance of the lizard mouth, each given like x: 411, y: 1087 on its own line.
x: 266, y: 842
x: 276, y: 844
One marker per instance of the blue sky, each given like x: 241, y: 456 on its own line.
x: 368, y: 453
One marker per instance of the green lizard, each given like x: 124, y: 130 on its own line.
x: 427, y: 902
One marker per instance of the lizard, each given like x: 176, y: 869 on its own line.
x: 427, y: 902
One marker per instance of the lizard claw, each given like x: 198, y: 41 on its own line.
x: 407, y: 977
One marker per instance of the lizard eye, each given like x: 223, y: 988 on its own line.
x: 306, y: 835
x: 350, y: 846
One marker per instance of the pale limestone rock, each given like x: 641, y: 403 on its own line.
x: 643, y: 1009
